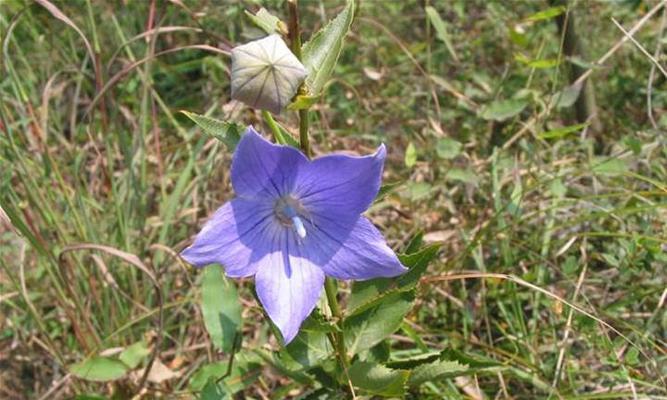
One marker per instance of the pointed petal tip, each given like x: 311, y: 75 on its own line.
x: 288, y: 335
x: 250, y: 138
x: 250, y: 130
x: 399, y: 269
x: 288, y: 297
x: 189, y: 257
x: 381, y: 153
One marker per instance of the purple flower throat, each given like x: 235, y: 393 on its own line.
x: 289, y: 211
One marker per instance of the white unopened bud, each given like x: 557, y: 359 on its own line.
x: 266, y: 74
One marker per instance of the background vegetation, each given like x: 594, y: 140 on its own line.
x: 522, y: 176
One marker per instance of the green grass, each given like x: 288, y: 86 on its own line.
x: 581, y: 215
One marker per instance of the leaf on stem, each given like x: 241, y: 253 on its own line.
x: 99, y: 369
x: 229, y: 133
x: 377, y: 379
x: 321, y: 52
x: 220, y: 308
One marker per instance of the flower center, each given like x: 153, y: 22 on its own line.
x: 289, y: 211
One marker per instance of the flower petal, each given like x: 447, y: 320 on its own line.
x: 358, y: 253
x: 263, y: 169
x: 234, y: 237
x: 288, y: 285
x: 340, y: 187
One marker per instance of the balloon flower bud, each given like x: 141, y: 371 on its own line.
x: 266, y: 74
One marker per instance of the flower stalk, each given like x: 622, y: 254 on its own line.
x: 295, y: 41
x: 330, y: 286
x: 338, y: 341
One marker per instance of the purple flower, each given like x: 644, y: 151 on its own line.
x: 293, y: 222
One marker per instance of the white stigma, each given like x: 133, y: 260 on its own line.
x: 298, y: 227
x: 291, y: 215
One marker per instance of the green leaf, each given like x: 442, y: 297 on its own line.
x: 414, y: 361
x: 379, y: 353
x: 462, y: 175
x: 544, y: 63
x: 547, y: 14
x: 207, y: 372
x: 633, y: 144
x: 245, y: 370
x: 568, y: 96
x: 320, y: 54
x: 268, y: 22
x: 632, y: 356
x: 364, y: 292
x: 220, y: 308
x: 441, y: 30
x: 418, y: 190
x: 387, y: 188
x: 415, y: 243
x: 436, y: 370
x: 557, y: 188
x: 559, y: 133
x: 214, y: 390
x: 417, y: 264
x: 99, y: 369
x: 410, y: 155
x: 285, y: 138
x: 447, y: 148
x: 474, y: 361
x: 281, y: 134
x: 518, y: 36
x: 285, y: 366
x: 580, y: 62
x: 608, y: 166
x: 311, y: 346
x: 229, y: 133
x: 500, y: 110
x: 377, y: 379
x: 133, y: 354
x: 372, y: 323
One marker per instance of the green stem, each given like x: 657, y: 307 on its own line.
x: 331, y: 289
x: 337, y: 338
x: 338, y: 341
x: 295, y: 41
x: 275, y: 130
x: 294, y: 31
x: 304, y: 140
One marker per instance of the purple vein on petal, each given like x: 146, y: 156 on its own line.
x: 239, y: 69
x: 293, y: 84
x: 252, y: 78
x: 261, y: 90
x: 244, y: 51
x: 275, y: 83
x: 273, y: 52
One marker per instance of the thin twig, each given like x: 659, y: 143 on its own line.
x: 528, y: 125
x: 568, y: 324
x: 640, y: 47
x: 55, y: 386
x: 624, y: 39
